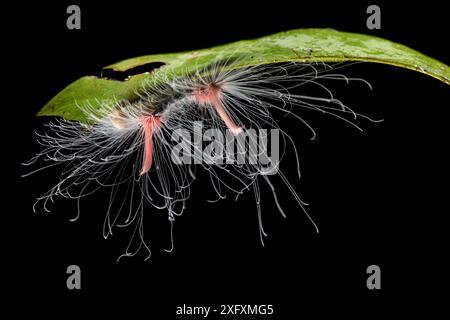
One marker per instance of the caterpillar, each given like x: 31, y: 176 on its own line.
x: 130, y: 145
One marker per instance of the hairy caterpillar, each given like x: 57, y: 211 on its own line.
x: 131, y: 147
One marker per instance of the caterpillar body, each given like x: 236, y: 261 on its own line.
x: 145, y: 151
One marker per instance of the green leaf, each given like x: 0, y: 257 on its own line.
x: 303, y: 45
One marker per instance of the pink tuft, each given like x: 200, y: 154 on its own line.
x: 150, y: 125
x: 211, y: 96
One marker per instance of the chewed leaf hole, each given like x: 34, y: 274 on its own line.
x: 125, y: 75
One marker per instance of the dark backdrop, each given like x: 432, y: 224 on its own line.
x: 379, y: 197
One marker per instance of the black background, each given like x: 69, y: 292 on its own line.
x: 378, y: 196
